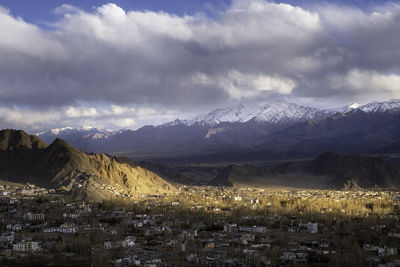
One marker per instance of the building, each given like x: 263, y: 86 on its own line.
x: 26, y: 246
x: 68, y: 228
x: 309, y: 227
x: 30, y: 217
x: 129, y: 241
x: 230, y: 227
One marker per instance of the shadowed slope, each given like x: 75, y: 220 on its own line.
x: 27, y: 159
x: 328, y: 170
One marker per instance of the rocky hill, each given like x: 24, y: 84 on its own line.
x: 26, y: 158
x: 328, y: 170
x: 364, y: 171
x: 170, y: 175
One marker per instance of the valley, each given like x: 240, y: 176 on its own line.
x: 63, y: 206
x: 201, y: 225
x: 230, y: 133
x: 242, y: 195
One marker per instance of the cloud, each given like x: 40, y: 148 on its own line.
x: 372, y: 80
x: 125, y: 122
x: 134, y: 57
x: 74, y: 112
x: 117, y: 110
x: 371, y: 84
x: 146, y: 63
x: 101, y: 116
x: 240, y: 85
x: 369, y: 39
x: 66, y: 9
x: 13, y: 117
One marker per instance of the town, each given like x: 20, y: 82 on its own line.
x: 201, y: 226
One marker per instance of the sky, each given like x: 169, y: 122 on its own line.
x: 125, y: 64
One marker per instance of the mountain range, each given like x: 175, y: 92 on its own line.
x: 252, y: 132
x: 26, y: 158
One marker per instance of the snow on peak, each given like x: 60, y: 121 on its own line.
x: 174, y: 123
x: 57, y: 131
x: 86, y: 128
x: 392, y: 106
x: 353, y: 106
x: 275, y: 112
x: 347, y: 108
x: 83, y: 131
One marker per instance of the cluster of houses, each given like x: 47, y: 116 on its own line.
x: 25, y: 245
x: 128, y: 241
x: 27, y: 190
x: 197, y: 226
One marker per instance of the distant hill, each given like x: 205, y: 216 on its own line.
x: 26, y: 158
x: 328, y: 170
x: 238, y: 175
x: 168, y: 174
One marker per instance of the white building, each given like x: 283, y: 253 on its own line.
x: 15, y: 227
x: 26, y: 246
x: 309, y: 227
x: 238, y: 198
x: 129, y: 241
x: 7, y: 237
x: 230, y: 227
x: 30, y: 217
x: 68, y: 228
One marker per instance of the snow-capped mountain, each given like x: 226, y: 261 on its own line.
x: 347, y: 108
x: 282, y: 111
x: 88, y: 130
x: 275, y: 112
x: 69, y: 133
x: 82, y: 129
x: 174, y: 123
x: 392, y: 106
x: 268, y: 129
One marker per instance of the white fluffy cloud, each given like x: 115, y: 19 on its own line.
x: 14, y: 117
x: 159, y: 62
x: 372, y: 80
x: 371, y: 84
x: 113, y: 55
x: 74, y: 112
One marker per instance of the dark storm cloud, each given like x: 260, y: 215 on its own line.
x: 253, y: 50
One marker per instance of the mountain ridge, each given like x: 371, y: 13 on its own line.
x: 296, y: 132
x: 327, y: 171
x: 275, y: 112
x: 62, y: 166
x: 232, y: 114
